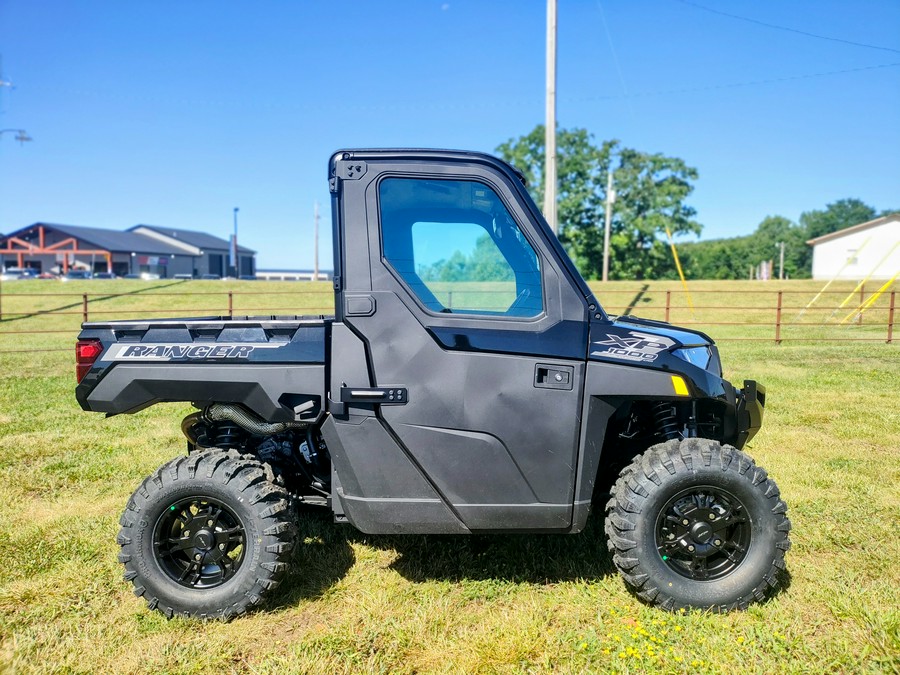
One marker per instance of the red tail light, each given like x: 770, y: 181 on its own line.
x: 86, y: 352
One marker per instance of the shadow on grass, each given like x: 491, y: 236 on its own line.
x: 99, y: 298
x: 322, y: 558
x: 636, y: 299
x: 518, y: 558
x: 325, y: 556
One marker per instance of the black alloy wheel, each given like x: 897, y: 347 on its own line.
x: 703, y: 533
x: 199, y: 542
x: 208, y: 536
x: 694, y: 523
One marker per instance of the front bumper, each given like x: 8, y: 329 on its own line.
x: 749, y: 406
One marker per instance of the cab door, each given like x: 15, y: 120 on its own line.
x: 474, y: 340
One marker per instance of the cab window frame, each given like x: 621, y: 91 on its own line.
x: 466, y: 314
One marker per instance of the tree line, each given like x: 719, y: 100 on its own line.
x: 651, y: 190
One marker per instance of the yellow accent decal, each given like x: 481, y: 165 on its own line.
x: 680, y: 386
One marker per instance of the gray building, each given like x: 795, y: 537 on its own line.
x: 211, y: 254
x: 50, y: 247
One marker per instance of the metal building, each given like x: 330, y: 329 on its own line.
x: 869, y: 249
x: 167, y: 252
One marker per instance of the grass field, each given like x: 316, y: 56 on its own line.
x: 515, y: 603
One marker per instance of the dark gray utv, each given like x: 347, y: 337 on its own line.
x: 469, y: 382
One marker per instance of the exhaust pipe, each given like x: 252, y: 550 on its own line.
x: 249, y: 422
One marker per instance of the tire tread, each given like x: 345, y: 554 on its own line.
x: 270, y: 502
x: 647, y: 472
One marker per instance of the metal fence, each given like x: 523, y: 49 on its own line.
x: 32, y: 322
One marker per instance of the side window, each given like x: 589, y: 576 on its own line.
x: 458, y: 249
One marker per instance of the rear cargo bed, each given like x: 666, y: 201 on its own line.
x: 267, y: 363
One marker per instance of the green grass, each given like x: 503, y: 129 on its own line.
x: 515, y: 603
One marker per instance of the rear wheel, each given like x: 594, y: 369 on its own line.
x: 694, y: 523
x: 207, y: 535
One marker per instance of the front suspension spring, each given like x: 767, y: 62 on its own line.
x: 666, y: 418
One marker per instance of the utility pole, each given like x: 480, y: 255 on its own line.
x: 316, y: 263
x: 234, y: 248
x: 550, y: 130
x: 610, y: 198
x: 780, y: 245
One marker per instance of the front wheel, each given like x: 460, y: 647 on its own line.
x: 207, y: 536
x: 694, y: 523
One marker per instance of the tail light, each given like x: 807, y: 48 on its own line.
x: 86, y: 352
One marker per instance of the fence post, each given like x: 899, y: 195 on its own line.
x: 668, y: 304
x: 891, y: 319
x: 84, y: 307
x: 230, y: 304
x: 778, y: 320
x: 862, y: 300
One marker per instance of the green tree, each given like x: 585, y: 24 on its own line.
x: 484, y: 263
x: 836, y: 216
x: 732, y: 258
x: 650, y: 193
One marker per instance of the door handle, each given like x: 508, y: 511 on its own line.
x: 384, y: 395
x: 547, y: 376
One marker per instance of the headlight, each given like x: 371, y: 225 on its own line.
x: 698, y: 356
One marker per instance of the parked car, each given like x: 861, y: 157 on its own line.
x: 149, y: 276
x: 77, y: 274
x: 131, y: 276
x: 211, y: 277
x: 18, y: 273
x: 183, y: 276
x: 105, y: 275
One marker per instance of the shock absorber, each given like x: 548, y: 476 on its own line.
x: 227, y: 435
x: 666, y: 418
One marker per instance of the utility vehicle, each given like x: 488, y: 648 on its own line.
x: 469, y: 381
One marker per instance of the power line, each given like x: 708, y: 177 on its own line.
x: 731, y: 85
x: 615, y: 56
x: 785, y: 28
x: 498, y: 103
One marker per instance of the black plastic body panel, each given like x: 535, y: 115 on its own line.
x: 495, y: 447
x: 133, y: 387
x: 256, y: 361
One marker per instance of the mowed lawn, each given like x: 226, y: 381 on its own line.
x: 513, y: 603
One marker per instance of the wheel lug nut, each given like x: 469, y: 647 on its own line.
x: 712, y: 516
x: 718, y: 542
x: 685, y: 521
x: 209, y: 522
x: 187, y: 533
x: 197, y: 557
x: 221, y: 547
x: 691, y: 548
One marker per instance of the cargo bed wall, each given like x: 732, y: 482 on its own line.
x: 268, y: 364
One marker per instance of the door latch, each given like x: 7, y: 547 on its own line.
x: 384, y: 395
x: 548, y: 376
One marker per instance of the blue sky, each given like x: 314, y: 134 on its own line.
x: 173, y: 113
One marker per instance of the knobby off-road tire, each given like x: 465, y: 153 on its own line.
x: 694, y: 523
x: 207, y: 536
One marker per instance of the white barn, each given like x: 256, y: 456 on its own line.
x: 871, y: 248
